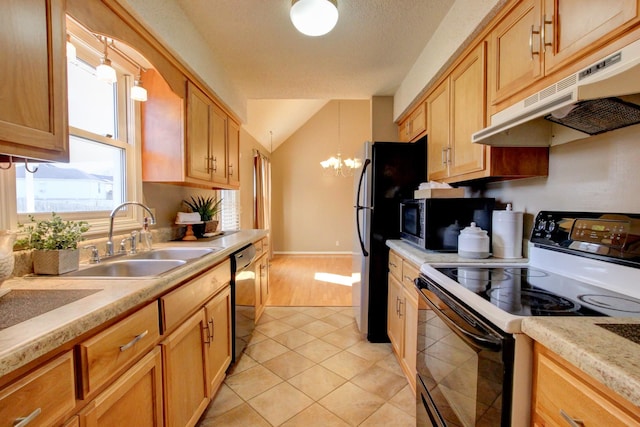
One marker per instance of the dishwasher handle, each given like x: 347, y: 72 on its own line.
x: 243, y: 258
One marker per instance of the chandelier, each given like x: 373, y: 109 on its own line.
x: 337, y: 166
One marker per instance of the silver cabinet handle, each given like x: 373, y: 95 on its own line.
x: 215, y: 164
x: 23, y: 421
x: 543, y: 35
x: 212, y: 329
x: 572, y: 421
x: 131, y: 343
x: 442, y: 156
x: 400, y: 312
x: 531, y: 41
x: 230, y: 170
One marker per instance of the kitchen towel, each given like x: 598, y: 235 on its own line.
x: 188, y: 218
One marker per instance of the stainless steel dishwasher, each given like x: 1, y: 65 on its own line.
x: 243, y: 298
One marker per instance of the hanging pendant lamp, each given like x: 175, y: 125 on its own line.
x: 314, y: 17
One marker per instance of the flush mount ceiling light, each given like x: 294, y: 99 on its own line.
x: 314, y: 17
x: 105, y: 71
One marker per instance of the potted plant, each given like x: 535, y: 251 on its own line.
x: 55, y: 243
x: 208, y: 208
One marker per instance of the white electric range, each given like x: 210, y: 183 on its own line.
x: 474, y: 363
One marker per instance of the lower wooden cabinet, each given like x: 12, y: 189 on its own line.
x: 402, y: 314
x: 563, y: 394
x: 45, y: 396
x: 184, y: 361
x: 262, y: 276
x: 135, y: 399
x: 218, y: 340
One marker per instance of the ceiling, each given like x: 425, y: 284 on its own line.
x: 287, y: 77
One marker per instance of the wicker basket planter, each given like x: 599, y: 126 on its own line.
x: 54, y: 262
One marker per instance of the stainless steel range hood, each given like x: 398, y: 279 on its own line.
x: 597, y: 99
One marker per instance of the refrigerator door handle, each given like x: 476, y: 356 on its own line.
x: 367, y: 162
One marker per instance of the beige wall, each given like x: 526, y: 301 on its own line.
x: 311, y: 212
x: 600, y: 173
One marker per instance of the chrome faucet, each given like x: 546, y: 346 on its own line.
x: 109, y: 251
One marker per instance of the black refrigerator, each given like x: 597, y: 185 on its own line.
x: 388, y: 172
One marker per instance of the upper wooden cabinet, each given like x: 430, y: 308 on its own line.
x: 188, y: 141
x: 538, y: 37
x: 414, y: 126
x: 33, y: 105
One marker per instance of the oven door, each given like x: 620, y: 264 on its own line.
x: 464, y: 364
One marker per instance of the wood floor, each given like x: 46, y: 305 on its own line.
x: 298, y: 281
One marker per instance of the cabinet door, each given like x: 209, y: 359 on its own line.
x: 574, y: 28
x: 184, y: 361
x: 218, y: 144
x: 515, y: 51
x: 438, y: 125
x: 135, y: 399
x: 199, y: 161
x: 410, y: 347
x: 394, y: 309
x: 262, y: 286
x: 218, y: 343
x: 468, y: 112
x: 233, y: 141
x: 33, y: 105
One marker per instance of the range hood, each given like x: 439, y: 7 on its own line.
x: 597, y: 99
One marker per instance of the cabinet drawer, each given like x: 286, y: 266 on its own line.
x: 48, y: 394
x: 409, y: 274
x: 558, y: 389
x: 181, y: 303
x: 395, y: 265
x: 259, y: 245
x: 104, y: 355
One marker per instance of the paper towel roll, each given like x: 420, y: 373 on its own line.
x: 507, y: 233
x: 188, y: 217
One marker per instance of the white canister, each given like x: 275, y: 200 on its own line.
x: 473, y: 242
x: 507, y: 233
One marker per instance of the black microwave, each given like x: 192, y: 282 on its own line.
x: 434, y: 224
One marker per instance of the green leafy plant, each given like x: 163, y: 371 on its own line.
x: 206, y: 207
x: 52, y: 234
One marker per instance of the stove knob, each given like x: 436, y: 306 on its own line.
x: 541, y: 225
x: 552, y: 226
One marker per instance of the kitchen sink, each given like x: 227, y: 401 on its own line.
x: 125, y: 268
x: 184, y: 254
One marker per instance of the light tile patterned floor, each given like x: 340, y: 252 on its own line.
x: 308, y: 366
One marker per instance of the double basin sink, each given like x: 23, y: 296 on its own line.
x: 144, y: 264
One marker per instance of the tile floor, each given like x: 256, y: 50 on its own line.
x: 308, y: 366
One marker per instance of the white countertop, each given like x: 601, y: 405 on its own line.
x: 26, y: 341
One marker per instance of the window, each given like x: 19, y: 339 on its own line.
x: 230, y: 210
x: 101, y: 173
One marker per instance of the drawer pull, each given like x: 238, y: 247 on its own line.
x: 572, y: 421
x: 131, y: 343
x: 23, y: 421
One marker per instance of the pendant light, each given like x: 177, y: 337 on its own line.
x: 314, y: 17
x: 138, y: 93
x: 336, y: 166
x: 105, y: 71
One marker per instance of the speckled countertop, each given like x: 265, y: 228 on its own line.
x: 607, y: 357
x: 419, y: 256
x: 28, y: 340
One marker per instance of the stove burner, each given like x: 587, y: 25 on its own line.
x: 527, y: 272
x: 611, y: 302
x: 541, y: 303
x: 479, y: 274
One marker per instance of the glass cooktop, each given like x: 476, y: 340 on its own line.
x: 528, y: 291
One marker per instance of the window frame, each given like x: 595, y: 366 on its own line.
x: 129, y: 137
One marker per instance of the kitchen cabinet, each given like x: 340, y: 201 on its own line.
x: 562, y: 392
x: 135, y: 398
x: 45, y: 395
x: 107, y: 353
x: 414, y: 126
x: 538, y: 37
x: 196, y: 318
x: 456, y: 109
x: 402, y: 314
x: 33, y: 105
x: 184, y: 361
x: 190, y: 142
x: 262, y: 275
x: 218, y: 342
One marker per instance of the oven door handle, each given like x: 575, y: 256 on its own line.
x: 479, y: 341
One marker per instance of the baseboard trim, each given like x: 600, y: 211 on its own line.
x: 312, y: 253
